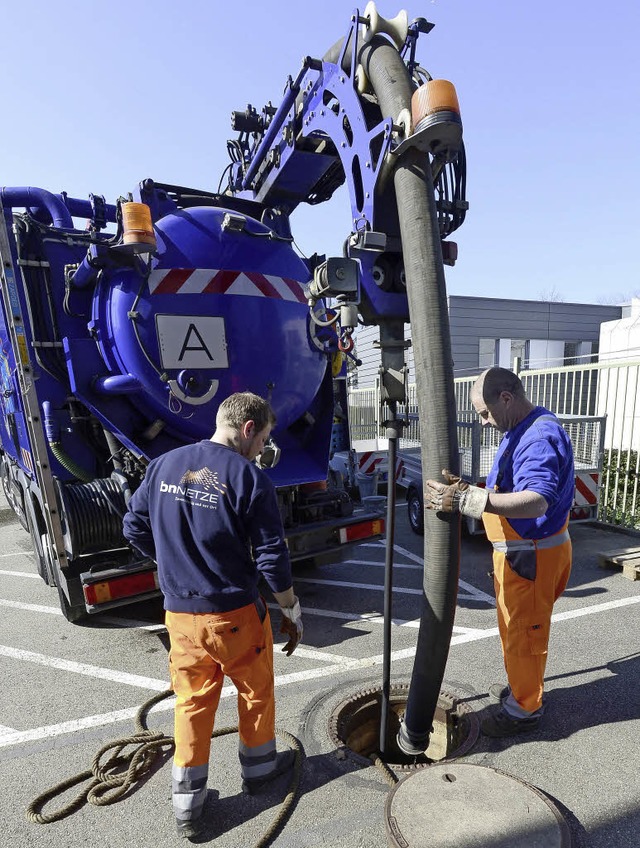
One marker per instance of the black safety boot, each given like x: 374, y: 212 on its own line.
x: 284, y: 762
x: 188, y: 828
x: 502, y: 724
x: 498, y: 692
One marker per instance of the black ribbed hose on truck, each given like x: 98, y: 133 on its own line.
x: 429, y: 318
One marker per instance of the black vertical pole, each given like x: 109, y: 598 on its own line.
x: 392, y: 435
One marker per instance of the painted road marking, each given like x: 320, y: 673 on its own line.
x: 477, y: 594
x: 50, y: 731
x: 397, y: 590
x: 84, y: 668
x: 30, y: 607
x: 20, y: 573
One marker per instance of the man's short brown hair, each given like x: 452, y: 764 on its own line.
x: 241, y: 407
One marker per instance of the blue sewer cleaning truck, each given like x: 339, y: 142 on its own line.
x: 124, y: 324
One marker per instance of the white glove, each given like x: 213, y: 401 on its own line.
x: 291, y: 626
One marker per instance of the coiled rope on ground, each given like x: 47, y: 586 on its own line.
x: 113, y: 777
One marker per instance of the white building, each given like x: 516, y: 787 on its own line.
x: 620, y: 390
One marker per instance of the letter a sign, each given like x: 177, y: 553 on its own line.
x: 192, y: 341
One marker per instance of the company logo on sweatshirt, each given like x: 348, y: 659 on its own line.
x: 201, y: 487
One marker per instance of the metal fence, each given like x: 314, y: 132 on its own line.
x: 610, y: 389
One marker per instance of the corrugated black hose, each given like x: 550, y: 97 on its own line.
x: 426, y: 291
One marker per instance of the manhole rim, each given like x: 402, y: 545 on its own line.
x: 398, y: 689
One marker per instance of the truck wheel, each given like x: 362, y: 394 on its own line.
x: 40, y: 542
x: 73, y: 613
x: 416, y: 513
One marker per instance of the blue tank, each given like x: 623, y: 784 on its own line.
x: 221, y: 311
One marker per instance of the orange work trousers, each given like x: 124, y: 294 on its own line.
x: 204, y: 648
x: 529, y: 577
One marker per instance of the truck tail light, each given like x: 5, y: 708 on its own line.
x: 363, y: 530
x: 112, y: 587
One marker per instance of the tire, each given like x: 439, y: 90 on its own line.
x: 76, y: 614
x: 40, y: 542
x: 415, y: 511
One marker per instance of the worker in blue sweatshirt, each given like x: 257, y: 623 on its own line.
x: 209, y: 517
x: 525, y: 509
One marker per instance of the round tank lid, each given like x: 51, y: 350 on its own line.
x: 450, y: 805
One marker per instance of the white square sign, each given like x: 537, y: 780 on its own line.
x: 192, y: 341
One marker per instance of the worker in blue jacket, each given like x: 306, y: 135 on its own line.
x: 209, y: 517
x: 525, y: 510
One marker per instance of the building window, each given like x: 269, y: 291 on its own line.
x: 580, y: 353
x: 488, y: 354
x: 519, y: 350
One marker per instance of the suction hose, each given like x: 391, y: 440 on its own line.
x: 426, y: 291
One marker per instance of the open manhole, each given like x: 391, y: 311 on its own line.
x: 355, y: 724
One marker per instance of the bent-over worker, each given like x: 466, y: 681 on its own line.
x: 525, y: 510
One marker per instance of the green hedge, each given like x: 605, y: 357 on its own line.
x: 620, y: 474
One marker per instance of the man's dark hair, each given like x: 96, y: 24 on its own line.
x: 241, y: 407
x: 498, y: 380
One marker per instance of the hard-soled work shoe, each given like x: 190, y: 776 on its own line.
x: 502, y: 724
x: 498, y: 692
x: 189, y: 828
x: 284, y: 762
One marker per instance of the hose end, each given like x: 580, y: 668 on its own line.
x: 412, y: 744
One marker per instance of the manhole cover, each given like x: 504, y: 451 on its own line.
x: 452, y: 805
x: 355, y: 724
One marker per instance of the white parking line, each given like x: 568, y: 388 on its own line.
x: 83, y: 668
x: 348, y: 585
x: 49, y: 731
x: 397, y: 590
x: 30, y: 607
x: 20, y: 573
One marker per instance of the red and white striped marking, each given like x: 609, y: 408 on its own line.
x: 585, y: 496
x: 217, y: 281
x: 586, y: 489
x: 26, y: 458
x: 369, y: 461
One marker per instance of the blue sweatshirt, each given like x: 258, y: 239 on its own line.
x: 203, y: 512
x: 537, y: 455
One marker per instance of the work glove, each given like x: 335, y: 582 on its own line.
x: 291, y: 626
x: 457, y: 496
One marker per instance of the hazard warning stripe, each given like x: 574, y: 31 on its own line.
x: 370, y: 460
x: 221, y: 281
x: 586, y: 489
x: 26, y: 458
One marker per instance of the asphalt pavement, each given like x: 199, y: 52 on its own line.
x: 69, y: 689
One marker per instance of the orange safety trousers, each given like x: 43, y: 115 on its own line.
x: 528, y: 580
x: 204, y: 648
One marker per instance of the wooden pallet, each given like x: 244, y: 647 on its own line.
x: 628, y: 559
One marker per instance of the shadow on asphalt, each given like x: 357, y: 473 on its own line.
x: 223, y: 814
x: 575, y: 707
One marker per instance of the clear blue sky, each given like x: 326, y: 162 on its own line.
x: 97, y: 96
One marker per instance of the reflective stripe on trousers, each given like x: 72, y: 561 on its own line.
x: 204, y: 648
x: 529, y: 576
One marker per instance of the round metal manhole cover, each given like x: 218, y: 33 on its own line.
x: 355, y: 724
x: 453, y: 805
